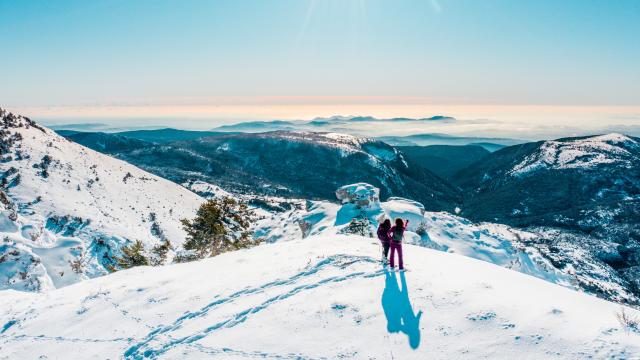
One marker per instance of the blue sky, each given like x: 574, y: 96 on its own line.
x: 161, y: 54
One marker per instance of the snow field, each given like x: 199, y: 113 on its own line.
x: 322, y: 297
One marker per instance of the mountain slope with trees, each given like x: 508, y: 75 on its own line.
x: 293, y: 164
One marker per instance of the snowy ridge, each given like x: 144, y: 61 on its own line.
x: 69, y: 204
x: 579, y: 153
x: 347, y: 144
x: 277, y: 300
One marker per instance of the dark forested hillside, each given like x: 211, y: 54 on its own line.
x: 444, y: 160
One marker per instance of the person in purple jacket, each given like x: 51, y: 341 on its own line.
x: 396, y: 233
x: 385, y: 239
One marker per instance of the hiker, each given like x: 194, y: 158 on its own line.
x: 396, y: 233
x: 385, y: 239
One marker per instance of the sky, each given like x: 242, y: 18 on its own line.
x: 195, y: 63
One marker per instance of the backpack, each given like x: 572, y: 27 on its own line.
x: 397, y: 234
x: 382, y: 234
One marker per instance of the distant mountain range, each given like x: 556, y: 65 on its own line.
x: 168, y: 135
x: 354, y: 124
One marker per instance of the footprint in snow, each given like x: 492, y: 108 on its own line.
x: 82, y: 310
x: 533, y: 339
x: 481, y: 316
x: 9, y: 324
x: 339, y: 307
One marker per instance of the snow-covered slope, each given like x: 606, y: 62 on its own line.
x: 66, y: 209
x: 580, y: 153
x: 325, y: 297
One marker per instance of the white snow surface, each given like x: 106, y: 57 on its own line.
x: 324, y: 297
x: 87, y: 198
x: 578, y: 153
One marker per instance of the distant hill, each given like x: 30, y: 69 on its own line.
x: 491, y: 147
x: 167, y: 135
x: 104, y: 142
x: 130, y: 140
x: 491, y: 144
x: 558, y: 182
x: 444, y: 160
x: 260, y: 126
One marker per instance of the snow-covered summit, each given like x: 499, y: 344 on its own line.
x: 67, y: 210
x: 326, y: 297
x: 585, y: 152
x: 346, y: 143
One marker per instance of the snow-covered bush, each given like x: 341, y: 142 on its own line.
x: 628, y: 322
x: 358, y: 226
x: 421, y: 229
x: 78, y: 264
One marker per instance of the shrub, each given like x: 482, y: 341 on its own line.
x: 422, y: 228
x: 220, y: 225
x: 628, y: 321
x: 78, y: 264
x: 358, y: 226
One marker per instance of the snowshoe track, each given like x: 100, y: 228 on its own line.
x: 159, y: 341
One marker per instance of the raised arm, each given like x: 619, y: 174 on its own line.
x: 406, y: 223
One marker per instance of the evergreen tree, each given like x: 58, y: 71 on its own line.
x: 132, y: 255
x: 160, y: 252
x: 220, y: 225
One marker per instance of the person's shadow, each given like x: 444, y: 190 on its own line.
x: 398, y: 310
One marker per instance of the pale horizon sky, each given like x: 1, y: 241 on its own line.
x: 196, y: 64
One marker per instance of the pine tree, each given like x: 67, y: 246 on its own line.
x: 220, y: 225
x: 132, y: 255
x: 160, y: 252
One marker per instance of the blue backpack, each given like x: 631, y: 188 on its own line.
x: 397, y: 234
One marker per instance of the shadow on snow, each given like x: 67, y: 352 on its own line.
x: 398, y: 310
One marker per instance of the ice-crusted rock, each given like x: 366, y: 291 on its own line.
x: 362, y: 195
x: 408, y: 203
